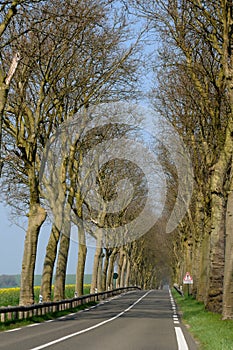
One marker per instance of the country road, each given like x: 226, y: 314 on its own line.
x: 136, y: 320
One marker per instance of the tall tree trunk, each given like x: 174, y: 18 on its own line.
x: 100, y: 273
x: 120, y: 263
x: 60, y: 278
x: 37, y: 216
x: 218, y: 216
x: 105, y: 268
x: 98, y: 253
x: 217, y: 235
x: 228, y: 65
x: 127, y: 276
x: 227, y: 312
x: 82, y: 253
x: 122, y: 277
x: 111, y: 269
x: 49, y: 262
x: 204, y: 268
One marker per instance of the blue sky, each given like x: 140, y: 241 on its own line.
x: 12, y: 244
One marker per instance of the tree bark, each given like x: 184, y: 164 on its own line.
x: 122, y: 277
x: 82, y: 253
x: 120, y: 263
x: 100, y: 273
x: 227, y: 312
x: 105, y: 268
x: 49, y: 262
x: 60, y: 278
x: 111, y: 269
x: 98, y: 253
x: 37, y: 216
x: 204, y: 268
x: 127, y: 276
x: 217, y: 233
x: 4, y: 88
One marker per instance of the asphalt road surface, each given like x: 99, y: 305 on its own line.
x: 137, y: 320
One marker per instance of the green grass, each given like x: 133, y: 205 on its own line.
x: 206, y: 327
x: 38, y: 319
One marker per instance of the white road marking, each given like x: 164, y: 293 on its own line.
x: 90, y: 328
x: 182, y: 345
x: 13, y: 330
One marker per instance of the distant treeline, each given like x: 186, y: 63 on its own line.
x: 9, y: 281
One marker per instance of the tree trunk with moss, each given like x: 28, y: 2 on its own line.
x: 203, y: 268
x: 217, y: 240
x: 227, y: 312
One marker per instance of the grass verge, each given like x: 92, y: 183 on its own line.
x: 38, y: 319
x: 210, y: 331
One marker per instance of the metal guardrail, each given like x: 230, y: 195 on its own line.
x: 13, y: 313
x: 176, y: 287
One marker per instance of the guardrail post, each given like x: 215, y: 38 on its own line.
x: 3, y: 317
x: 9, y: 316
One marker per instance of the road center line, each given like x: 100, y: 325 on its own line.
x: 90, y: 328
x: 182, y: 345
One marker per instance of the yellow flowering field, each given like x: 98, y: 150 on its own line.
x: 10, y: 296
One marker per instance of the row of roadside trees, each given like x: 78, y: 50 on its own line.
x: 194, y: 92
x: 58, y: 63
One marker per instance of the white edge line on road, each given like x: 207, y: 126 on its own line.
x: 182, y: 345
x: 13, y: 330
x: 90, y: 328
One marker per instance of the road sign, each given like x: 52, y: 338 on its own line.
x: 115, y: 275
x: 187, y: 279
